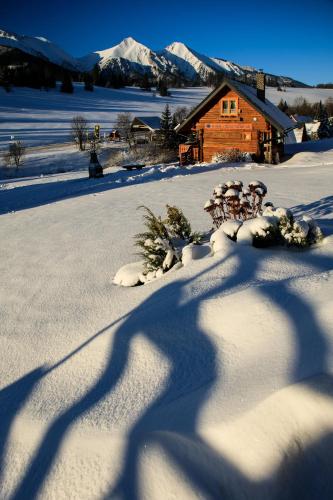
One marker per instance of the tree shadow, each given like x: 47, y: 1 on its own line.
x: 12, y: 399
x: 192, y: 375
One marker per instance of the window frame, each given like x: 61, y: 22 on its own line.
x: 228, y: 100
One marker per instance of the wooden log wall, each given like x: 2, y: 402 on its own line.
x: 221, y: 132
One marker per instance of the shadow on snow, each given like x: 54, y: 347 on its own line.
x: 170, y: 421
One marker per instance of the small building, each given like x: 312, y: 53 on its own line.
x: 145, y: 128
x: 235, y: 115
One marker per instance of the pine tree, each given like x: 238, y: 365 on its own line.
x: 167, y: 133
x: 88, y: 82
x: 96, y: 73
x: 5, y: 78
x: 66, y: 85
x: 155, y: 243
x: 166, y: 119
x: 145, y: 83
x: 162, y: 87
x: 324, y: 129
x: 283, y: 106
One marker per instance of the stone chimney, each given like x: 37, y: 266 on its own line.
x: 261, y: 85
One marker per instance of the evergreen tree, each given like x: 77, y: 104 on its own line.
x: 283, y: 106
x: 5, y: 80
x: 88, y: 82
x: 162, y: 87
x: 179, y: 226
x: 155, y: 244
x: 66, y: 85
x: 145, y: 83
x: 166, y: 119
x: 96, y: 73
x: 321, y: 115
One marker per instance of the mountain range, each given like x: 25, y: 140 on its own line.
x: 132, y: 59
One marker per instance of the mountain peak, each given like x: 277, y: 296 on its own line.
x: 129, y: 41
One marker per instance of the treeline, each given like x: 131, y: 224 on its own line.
x: 318, y: 111
x: 324, y: 86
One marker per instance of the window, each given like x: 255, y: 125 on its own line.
x: 229, y: 107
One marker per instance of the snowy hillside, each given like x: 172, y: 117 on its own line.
x: 39, y: 47
x: 212, y: 382
x: 39, y: 117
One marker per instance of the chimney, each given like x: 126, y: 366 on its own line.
x: 261, y: 85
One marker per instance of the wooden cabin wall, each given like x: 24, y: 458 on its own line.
x: 242, y: 133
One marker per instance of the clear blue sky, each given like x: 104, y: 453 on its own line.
x: 289, y: 37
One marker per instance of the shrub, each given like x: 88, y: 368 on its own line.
x: 80, y: 131
x: 162, y: 243
x: 15, y: 154
x: 155, y: 243
x: 149, y: 154
x: 232, y: 201
x: 232, y: 155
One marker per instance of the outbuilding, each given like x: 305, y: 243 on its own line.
x: 145, y: 128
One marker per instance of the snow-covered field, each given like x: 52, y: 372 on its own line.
x: 212, y: 382
x: 38, y: 117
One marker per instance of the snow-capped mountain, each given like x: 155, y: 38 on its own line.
x: 129, y: 55
x: 189, y: 62
x: 39, y: 47
x: 132, y: 58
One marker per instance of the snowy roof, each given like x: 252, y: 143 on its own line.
x: 301, y: 118
x: 153, y: 122
x: 271, y: 112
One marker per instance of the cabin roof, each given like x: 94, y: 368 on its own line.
x: 152, y: 122
x: 271, y: 112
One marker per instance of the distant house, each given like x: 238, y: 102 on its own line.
x: 301, y: 118
x: 145, y: 128
x: 235, y: 115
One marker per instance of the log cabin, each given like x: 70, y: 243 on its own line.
x: 235, y: 116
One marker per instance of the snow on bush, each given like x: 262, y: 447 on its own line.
x: 260, y: 231
x: 194, y: 252
x: 129, y: 275
x: 232, y: 200
x: 170, y: 243
x: 220, y: 242
x: 232, y: 155
x: 164, y: 245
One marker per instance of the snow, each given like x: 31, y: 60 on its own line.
x: 193, y: 252
x: 253, y: 227
x: 199, y: 382
x: 129, y: 275
x: 39, y: 46
x: 38, y: 117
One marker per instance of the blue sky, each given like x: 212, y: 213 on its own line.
x: 292, y: 37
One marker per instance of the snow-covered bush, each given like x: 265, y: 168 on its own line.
x: 232, y: 201
x: 299, y: 233
x: 277, y: 226
x: 164, y: 245
x: 232, y: 155
x: 260, y: 232
x: 169, y: 243
x: 149, y: 154
x: 179, y: 226
x: 155, y: 243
